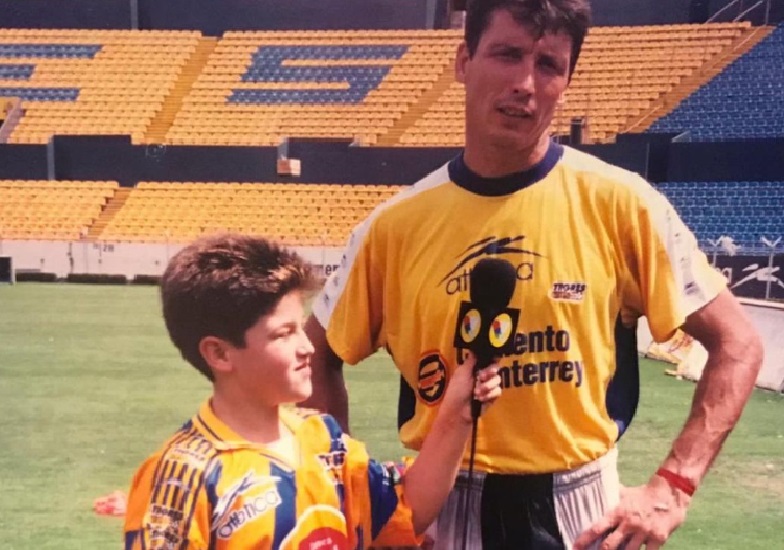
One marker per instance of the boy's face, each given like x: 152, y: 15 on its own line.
x: 274, y: 365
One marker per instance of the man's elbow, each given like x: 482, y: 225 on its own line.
x: 744, y: 347
x: 755, y: 351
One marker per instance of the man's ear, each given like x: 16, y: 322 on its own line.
x: 561, y: 100
x: 461, y: 60
x: 217, y: 353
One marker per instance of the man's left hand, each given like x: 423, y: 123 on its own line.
x: 646, y: 516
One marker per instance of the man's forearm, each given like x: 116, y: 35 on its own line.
x: 329, y: 388
x: 726, y: 384
x: 432, y: 475
x: 331, y: 396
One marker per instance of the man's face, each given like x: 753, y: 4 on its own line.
x: 513, y: 83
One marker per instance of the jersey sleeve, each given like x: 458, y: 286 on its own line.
x: 349, y: 306
x: 667, y: 276
x: 167, y: 507
x: 378, y: 506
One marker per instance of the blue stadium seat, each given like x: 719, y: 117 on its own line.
x: 743, y: 210
x: 742, y: 102
x: 49, y: 51
x: 14, y: 71
x: 42, y: 94
x: 267, y: 66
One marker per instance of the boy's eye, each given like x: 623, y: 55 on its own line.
x: 286, y: 331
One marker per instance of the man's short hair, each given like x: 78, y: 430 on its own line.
x: 221, y: 285
x: 570, y: 16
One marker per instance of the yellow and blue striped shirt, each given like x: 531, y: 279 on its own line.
x: 208, y: 488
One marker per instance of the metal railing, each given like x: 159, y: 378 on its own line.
x: 743, y: 11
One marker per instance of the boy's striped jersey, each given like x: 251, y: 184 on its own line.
x: 207, y: 488
x: 593, y: 247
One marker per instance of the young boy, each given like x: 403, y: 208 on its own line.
x: 246, y: 473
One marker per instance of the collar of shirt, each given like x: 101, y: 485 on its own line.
x: 469, y: 180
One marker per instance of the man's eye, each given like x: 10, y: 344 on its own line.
x: 550, y: 65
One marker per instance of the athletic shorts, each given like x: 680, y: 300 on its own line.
x: 528, y: 512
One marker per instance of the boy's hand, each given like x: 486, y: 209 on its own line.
x: 462, y: 387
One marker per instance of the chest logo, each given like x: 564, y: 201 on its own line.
x: 250, y: 497
x: 568, y: 291
x: 457, y: 279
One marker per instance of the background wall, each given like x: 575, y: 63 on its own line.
x: 307, y: 14
x: 767, y: 318
x: 114, y: 158
x: 213, y: 18
x: 129, y: 259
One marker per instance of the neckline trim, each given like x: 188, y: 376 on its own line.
x: 469, y: 180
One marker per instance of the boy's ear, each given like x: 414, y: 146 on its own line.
x: 217, y: 353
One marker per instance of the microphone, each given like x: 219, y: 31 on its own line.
x: 485, y: 325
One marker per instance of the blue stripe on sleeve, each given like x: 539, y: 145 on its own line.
x: 130, y: 538
x: 383, y: 497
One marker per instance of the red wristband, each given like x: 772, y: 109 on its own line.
x: 676, y: 482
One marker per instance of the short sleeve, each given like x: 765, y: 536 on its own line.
x: 163, y: 510
x: 349, y: 306
x: 378, y: 504
x: 667, y: 276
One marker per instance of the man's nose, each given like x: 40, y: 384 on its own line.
x: 524, y: 77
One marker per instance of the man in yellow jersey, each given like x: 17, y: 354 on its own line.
x: 244, y: 473
x: 594, y: 247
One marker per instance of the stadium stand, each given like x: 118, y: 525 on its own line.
x: 260, y: 86
x: 296, y: 214
x: 53, y: 210
x: 743, y: 101
x: 743, y: 210
x: 256, y: 87
x: 90, y: 81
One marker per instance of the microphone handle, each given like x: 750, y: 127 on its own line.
x: 482, y: 362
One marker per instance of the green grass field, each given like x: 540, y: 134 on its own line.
x: 89, y: 385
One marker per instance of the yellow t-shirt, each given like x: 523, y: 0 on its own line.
x: 590, y: 243
x: 209, y: 488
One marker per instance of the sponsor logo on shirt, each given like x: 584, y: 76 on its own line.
x: 249, y: 498
x: 458, y: 278
x: 533, y: 360
x: 568, y: 291
x: 431, y: 382
x: 319, y: 527
x: 333, y: 462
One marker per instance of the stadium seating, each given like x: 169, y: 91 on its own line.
x: 296, y: 214
x: 258, y: 87
x: 255, y: 88
x: 744, y: 101
x: 742, y: 210
x: 51, y: 209
x: 90, y: 81
x: 621, y: 72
